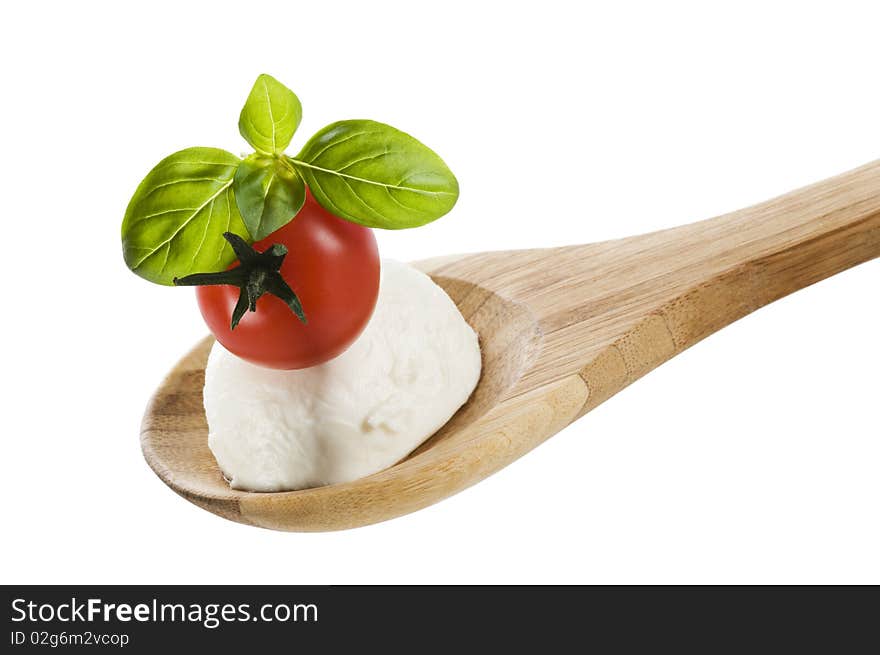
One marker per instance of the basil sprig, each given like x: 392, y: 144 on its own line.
x: 360, y: 170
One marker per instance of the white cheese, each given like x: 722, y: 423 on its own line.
x: 414, y: 365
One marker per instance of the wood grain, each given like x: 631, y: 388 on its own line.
x: 562, y: 330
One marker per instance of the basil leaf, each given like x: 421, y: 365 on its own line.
x: 373, y: 174
x: 175, y: 221
x: 270, y: 116
x: 269, y: 193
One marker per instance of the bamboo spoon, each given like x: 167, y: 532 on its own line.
x: 562, y: 330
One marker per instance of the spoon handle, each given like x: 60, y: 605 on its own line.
x: 714, y: 272
x: 790, y: 242
x: 612, y: 311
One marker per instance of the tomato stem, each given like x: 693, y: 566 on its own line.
x: 258, y: 273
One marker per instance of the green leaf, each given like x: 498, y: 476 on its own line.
x: 373, y: 174
x: 175, y: 221
x: 269, y: 193
x: 270, y: 116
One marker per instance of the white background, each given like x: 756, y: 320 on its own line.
x: 751, y: 458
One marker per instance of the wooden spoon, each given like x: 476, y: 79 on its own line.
x: 562, y: 330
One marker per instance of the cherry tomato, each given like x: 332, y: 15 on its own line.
x: 333, y: 267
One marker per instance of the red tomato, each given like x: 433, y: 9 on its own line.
x: 333, y: 267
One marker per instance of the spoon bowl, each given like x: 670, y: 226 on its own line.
x: 561, y: 331
x: 174, y: 434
